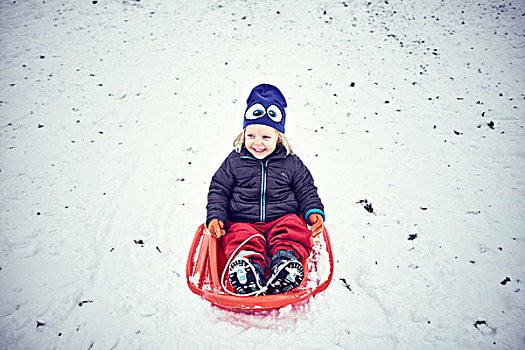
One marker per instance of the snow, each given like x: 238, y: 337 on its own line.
x: 114, y: 115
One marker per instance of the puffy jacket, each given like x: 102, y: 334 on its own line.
x: 246, y: 189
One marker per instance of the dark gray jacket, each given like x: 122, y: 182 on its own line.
x: 246, y: 189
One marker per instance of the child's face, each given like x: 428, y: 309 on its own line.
x: 260, y: 140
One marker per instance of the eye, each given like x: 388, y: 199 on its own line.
x: 255, y: 112
x: 275, y: 113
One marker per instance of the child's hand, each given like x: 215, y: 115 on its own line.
x: 216, y: 228
x: 317, y: 223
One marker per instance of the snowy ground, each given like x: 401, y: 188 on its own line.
x: 114, y: 115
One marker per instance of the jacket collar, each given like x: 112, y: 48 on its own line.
x: 278, y: 153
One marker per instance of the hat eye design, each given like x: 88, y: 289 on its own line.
x: 255, y: 112
x: 275, y: 113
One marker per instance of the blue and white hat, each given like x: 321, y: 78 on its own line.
x: 266, y: 106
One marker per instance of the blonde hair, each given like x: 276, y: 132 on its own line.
x: 239, y: 141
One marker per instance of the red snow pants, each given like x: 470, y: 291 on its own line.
x: 288, y: 232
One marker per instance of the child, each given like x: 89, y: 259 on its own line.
x: 256, y: 200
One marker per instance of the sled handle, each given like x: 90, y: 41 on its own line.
x: 196, y: 269
x: 213, y: 260
x: 325, y: 284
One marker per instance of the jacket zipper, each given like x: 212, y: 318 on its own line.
x: 264, y: 167
x: 263, y: 191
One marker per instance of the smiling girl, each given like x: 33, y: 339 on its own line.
x: 257, y: 200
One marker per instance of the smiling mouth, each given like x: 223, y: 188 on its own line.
x: 259, y: 150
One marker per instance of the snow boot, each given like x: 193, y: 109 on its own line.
x: 246, y: 276
x: 286, y: 272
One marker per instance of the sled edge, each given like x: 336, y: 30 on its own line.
x: 196, y: 268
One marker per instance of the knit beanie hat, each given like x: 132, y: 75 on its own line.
x: 266, y: 106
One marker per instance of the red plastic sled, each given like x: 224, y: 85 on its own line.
x: 206, y: 263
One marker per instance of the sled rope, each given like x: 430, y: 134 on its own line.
x: 261, y: 290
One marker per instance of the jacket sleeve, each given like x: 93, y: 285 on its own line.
x: 305, y: 191
x: 220, y: 192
